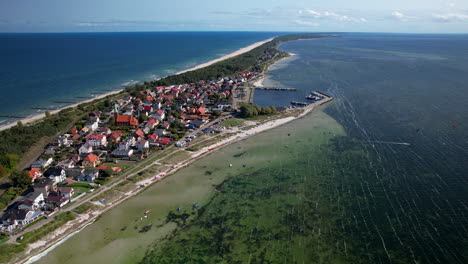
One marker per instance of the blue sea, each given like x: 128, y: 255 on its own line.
x: 52, y: 70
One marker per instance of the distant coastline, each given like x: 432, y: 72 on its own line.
x: 38, y: 117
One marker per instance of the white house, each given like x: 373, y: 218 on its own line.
x: 93, y: 126
x: 42, y: 163
x: 142, y: 144
x: 97, y: 140
x: 85, y: 149
x: 35, y: 199
x: 56, y: 174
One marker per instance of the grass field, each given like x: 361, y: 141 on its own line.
x: 233, y: 122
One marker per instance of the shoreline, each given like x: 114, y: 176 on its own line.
x: 73, y: 227
x: 263, y: 77
x: 228, y: 56
x: 38, y: 117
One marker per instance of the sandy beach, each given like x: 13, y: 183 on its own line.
x: 235, y: 53
x: 38, y: 117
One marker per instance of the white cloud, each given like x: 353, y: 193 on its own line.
x: 306, y: 23
x: 331, y: 15
x: 400, y: 16
x: 313, y: 13
x: 450, y: 17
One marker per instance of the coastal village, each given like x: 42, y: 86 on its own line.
x: 105, y: 143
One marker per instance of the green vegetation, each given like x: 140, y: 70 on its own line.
x: 3, y: 237
x: 251, y: 110
x: 9, y: 195
x: 233, y: 122
x: 256, y: 59
x: 20, y: 179
x: 37, y: 234
x: 84, y: 207
x: 9, y: 251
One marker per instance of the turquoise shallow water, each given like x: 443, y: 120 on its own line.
x: 48, y: 70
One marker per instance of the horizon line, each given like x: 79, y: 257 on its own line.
x: 239, y: 31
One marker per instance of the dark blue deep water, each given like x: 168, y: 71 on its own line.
x: 39, y: 70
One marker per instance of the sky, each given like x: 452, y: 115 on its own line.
x: 398, y: 16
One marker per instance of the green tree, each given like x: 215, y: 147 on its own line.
x: 47, y: 114
x: 3, y: 171
x: 143, y: 117
x: 107, y: 173
x: 20, y: 179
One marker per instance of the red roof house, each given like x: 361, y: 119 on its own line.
x: 126, y: 120
x: 34, y: 173
x: 91, y: 160
x: 164, y: 141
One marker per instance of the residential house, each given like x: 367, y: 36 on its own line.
x: 63, y: 140
x: 139, y: 134
x: 161, y: 132
x: 165, y: 125
x: 57, y: 174
x: 114, y: 136
x: 35, y: 199
x: 58, y: 201
x: 66, y: 192
x: 17, y: 217
x: 153, y: 138
x: 88, y: 175
x: 104, y: 131
x: 92, y: 126
x: 123, y: 153
x: 164, y: 141
x: 198, y: 123
x: 34, y: 174
x: 74, y: 172
x: 91, y: 161
x: 94, y: 116
x: 85, y: 149
x: 142, y: 145
x: 42, y: 163
x: 97, y: 140
x: 45, y: 186
x: 152, y: 123
x: 126, y: 120
x: 159, y: 115
x: 68, y: 163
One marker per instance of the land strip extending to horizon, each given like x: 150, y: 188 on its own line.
x: 82, y: 221
x: 41, y: 116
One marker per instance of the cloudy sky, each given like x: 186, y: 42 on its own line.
x: 408, y: 16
